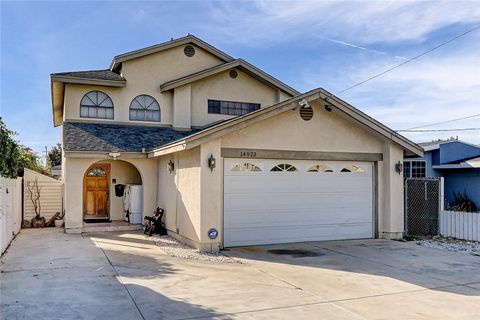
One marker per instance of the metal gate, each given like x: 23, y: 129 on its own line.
x: 422, y: 206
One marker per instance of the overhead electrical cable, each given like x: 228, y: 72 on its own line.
x: 442, y: 122
x: 410, y: 60
x: 435, y: 130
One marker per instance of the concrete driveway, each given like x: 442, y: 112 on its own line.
x: 50, y: 275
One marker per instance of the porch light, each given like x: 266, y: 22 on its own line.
x: 398, y: 167
x: 171, y: 166
x: 211, y: 162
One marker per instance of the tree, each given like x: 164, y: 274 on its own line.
x: 13, y: 157
x: 55, y: 155
x: 10, y: 152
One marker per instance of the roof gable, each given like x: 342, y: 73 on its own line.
x: 237, y: 63
x: 117, y: 60
x: 334, y: 102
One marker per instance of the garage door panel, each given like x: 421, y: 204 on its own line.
x: 275, y: 207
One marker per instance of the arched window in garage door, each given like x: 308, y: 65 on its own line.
x: 320, y: 168
x: 247, y: 166
x: 284, y: 167
x: 353, y: 168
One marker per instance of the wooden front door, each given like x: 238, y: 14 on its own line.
x: 96, y: 191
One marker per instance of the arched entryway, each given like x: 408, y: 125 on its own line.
x: 101, y: 200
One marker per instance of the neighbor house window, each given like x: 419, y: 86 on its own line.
x: 231, y: 108
x: 96, y: 104
x: 144, y: 108
x: 414, y: 169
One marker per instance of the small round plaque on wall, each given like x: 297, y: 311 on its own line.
x: 213, y: 233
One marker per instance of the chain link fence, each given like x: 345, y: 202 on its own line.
x: 422, y: 206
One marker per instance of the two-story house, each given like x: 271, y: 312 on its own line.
x: 233, y: 155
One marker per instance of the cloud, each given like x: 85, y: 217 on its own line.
x: 359, y: 21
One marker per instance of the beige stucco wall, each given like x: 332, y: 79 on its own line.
x: 243, y: 88
x: 182, y: 107
x: 74, y: 169
x: 179, y: 193
x: 144, y: 76
x: 287, y: 131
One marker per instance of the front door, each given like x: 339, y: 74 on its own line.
x: 96, y: 192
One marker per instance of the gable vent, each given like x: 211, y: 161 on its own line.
x: 306, y: 113
x: 233, y: 74
x: 189, y: 51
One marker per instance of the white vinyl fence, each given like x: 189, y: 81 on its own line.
x: 460, y: 225
x: 10, y: 210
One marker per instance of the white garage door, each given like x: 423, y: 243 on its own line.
x: 280, y: 201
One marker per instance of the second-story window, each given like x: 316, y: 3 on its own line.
x: 231, y: 108
x: 144, y: 108
x: 96, y: 104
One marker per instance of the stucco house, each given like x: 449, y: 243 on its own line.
x: 233, y: 155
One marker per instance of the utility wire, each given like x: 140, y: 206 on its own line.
x: 410, y: 60
x: 446, y: 121
x: 435, y: 130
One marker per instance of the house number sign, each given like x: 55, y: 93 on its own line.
x: 213, y: 233
x: 248, y: 154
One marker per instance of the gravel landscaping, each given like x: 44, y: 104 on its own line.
x: 463, y: 246
x: 177, y: 249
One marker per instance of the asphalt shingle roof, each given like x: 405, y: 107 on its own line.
x: 93, y: 74
x: 81, y: 136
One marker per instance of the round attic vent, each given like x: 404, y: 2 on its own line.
x: 306, y: 113
x: 189, y: 51
x: 233, y: 74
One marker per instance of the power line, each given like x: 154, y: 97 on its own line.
x: 412, y: 59
x: 435, y: 130
x: 446, y: 121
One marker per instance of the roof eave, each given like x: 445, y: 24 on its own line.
x: 89, y: 81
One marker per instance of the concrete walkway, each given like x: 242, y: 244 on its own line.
x: 50, y: 275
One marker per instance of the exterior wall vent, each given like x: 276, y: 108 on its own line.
x: 233, y: 74
x: 306, y: 113
x: 189, y: 51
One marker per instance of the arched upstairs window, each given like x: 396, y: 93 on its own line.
x: 353, y: 168
x: 246, y: 167
x: 320, y: 168
x: 96, y: 104
x: 144, y: 108
x: 284, y: 167
x: 96, y: 172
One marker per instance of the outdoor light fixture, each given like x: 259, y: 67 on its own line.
x: 171, y: 166
x: 211, y: 162
x: 398, y: 167
x: 328, y: 107
x: 114, y: 155
x: 304, y: 103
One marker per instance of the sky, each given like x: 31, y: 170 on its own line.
x: 306, y: 44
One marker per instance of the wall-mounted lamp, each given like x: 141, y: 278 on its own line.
x: 328, y: 107
x: 211, y: 162
x: 399, y: 167
x: 304, y: 103
x: 114, y: 155
x: 171, y: 166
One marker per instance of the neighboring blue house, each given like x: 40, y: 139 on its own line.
x: 456, y: 161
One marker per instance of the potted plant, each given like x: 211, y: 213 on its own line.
x: 34, y: 191
x: 59, y: 219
